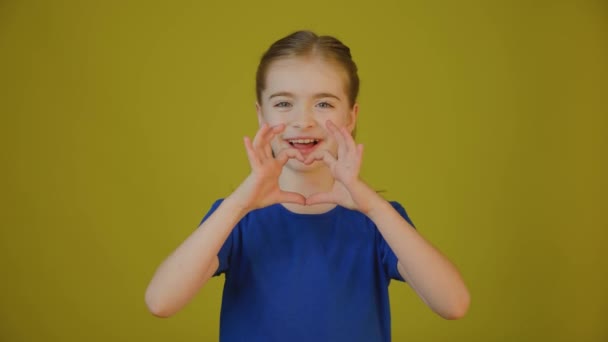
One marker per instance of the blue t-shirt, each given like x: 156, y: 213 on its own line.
x: 306, y: 277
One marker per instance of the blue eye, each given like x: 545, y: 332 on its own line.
x: 325, y: 105
x: 282, y: 104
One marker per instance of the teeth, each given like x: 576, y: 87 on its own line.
x: 303, y: 141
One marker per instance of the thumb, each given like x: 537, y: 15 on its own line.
x: 320, y: 197
x: 291, y: 197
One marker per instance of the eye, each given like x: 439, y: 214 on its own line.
x: 282, y: 104
x: 325, y: 104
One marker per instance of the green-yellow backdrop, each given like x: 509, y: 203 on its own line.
x: 122, y: 121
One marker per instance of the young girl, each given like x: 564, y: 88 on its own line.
x: 307, y: 248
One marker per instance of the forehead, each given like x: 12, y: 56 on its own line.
x: 304, y: 76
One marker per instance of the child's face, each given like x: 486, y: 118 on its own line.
x: 303, y: 93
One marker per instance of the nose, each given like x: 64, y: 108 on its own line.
x: 304, y: 118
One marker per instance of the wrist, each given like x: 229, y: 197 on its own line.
x: 378, y: 207
x: 364, y: 196
x: 236, y: 204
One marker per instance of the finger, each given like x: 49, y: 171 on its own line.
x: 323, y: 155
x: 360, y: 151
x: 321, y: 197
x: 291, y: 197
x: 335, y: 131
x: 348, y: 138
x: 251, y: 155
x: 278, y: 128
x: 258, y: 139
x: 272, y: 131
x: 289, y: 153
x: 268, y: 138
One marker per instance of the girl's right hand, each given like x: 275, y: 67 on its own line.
x: 261, y: 187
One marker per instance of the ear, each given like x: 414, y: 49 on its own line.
x: 258, y: 109
x: 352, y: 118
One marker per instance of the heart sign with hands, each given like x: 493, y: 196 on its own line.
x: 261, y: 187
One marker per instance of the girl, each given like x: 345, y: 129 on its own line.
x: 307, y: 248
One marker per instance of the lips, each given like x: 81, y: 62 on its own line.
x: 303, y: 144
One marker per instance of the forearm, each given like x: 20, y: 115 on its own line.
x: 187, y: 269
x: 432, y: 276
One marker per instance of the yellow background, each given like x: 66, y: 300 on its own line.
x: 121, y: 122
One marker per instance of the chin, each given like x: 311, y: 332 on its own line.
x: 298, y: 166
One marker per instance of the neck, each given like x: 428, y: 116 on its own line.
x: 307, y: 182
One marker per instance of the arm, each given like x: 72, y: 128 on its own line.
x: 188, y: 268
x: 432, y: 276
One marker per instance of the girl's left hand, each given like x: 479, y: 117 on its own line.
x: 348, y: 190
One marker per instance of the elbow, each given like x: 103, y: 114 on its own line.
x: 156, y: 306
x: 459, y: 308
x: 158, y: 312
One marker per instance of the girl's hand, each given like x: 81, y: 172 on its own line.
x: 261, y: 187
x: 349, y: 190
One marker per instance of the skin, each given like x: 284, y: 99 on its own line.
x: 314, y: 106
x: 306, y: 183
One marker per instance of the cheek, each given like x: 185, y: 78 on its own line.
x: 339, y: 117
x: 273, y: 120
x: 345, y: 117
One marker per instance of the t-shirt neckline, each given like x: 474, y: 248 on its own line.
x: 330, y: 212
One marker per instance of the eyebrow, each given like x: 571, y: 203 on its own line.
x: 316, y: 96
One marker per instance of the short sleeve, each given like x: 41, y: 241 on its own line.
x: 224, y: 253
x: 388, y: 257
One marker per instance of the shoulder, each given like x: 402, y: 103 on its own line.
x: 254, y: 213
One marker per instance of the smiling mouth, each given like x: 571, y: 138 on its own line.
x: 306, y: 145
x: 303, y: 142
